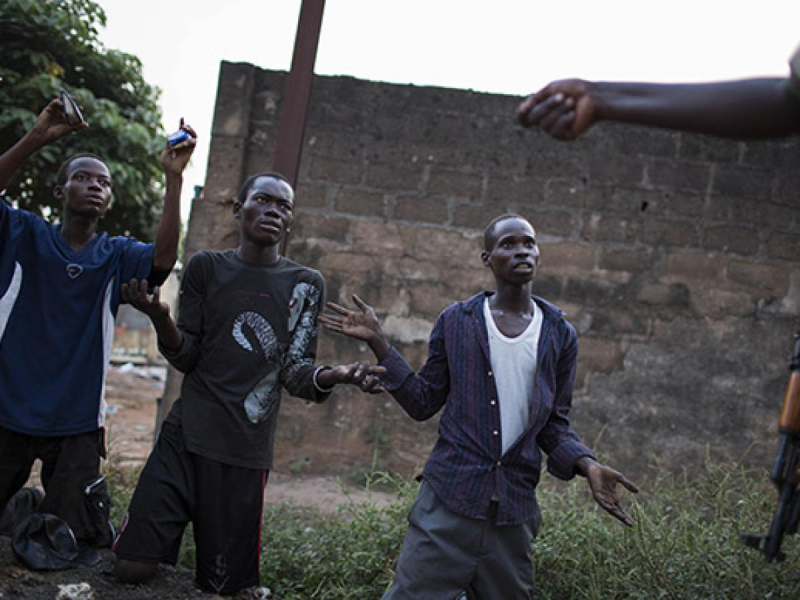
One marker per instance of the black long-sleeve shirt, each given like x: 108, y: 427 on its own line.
x: 248, y: 331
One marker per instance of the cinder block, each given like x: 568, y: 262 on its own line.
x: 681, y: 234
x: 742, y: 182
x: 447, y: 182
x: 784, y: 246
x: 358, y: 201
x: 683, y: 266
x: 429, y: 209
x: 772, y: 279
x: 567, y: 258
x: 392, y: 177
x: 608, y: 228
x: 599, y: 355
x: 731, y: 239
x: 336, y: 171
x: 678, y: 175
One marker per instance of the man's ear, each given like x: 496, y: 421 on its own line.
x: 58, y: 192
x: 237, y: 209
x: 485, y: 258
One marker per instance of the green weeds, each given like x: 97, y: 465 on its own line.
x: 686, y: 543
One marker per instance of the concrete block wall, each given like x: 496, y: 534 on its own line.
x: 675, y: 256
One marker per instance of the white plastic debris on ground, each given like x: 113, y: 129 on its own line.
x: 75, y: 591
x: 155, y: 372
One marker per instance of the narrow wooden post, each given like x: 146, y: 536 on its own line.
x: 296, y: 96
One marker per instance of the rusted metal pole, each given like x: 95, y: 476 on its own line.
x: 296, y: 96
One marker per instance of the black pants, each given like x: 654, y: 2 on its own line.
x: 223, y: 502
x: 74, y: 489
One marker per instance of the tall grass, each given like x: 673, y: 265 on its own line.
x: 686, y: 542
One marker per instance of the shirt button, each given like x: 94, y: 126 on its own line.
x: 499, y: 463
x: 493, y: 402
x: 489, y: 373
x: 495, y: 432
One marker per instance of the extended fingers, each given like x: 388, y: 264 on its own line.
x: 534, y: 108
x: 629, y: 485
x: 136, y: 291
x: 331, y: 322
x: 357, y: 373
x: 339, y: 309
x: 189, y: 128
x: 133, y: 289
x: 360, y: 303
x: 617, y: 512
x: 372, y: 385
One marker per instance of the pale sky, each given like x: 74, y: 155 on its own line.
x: 499, y: 46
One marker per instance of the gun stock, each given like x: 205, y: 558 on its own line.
x: 784, y: 472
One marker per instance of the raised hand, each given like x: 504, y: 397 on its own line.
x: 136, y: 294
x: 564, y: 109
x: 361, y: 324
x: 51, y: 124
x: 174, y: 160
x: 603, y: 483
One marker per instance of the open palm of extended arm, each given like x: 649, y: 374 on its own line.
x: 361, y: 324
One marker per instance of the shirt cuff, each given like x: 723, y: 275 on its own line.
x: 316, y: 384
x: 561, y: 462
x: 397, y: 370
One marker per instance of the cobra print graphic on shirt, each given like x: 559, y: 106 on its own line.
x: 302, y: 308
x: 253, y: 332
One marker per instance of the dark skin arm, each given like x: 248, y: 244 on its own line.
x: 361, y: 324
x: 603, y: 482
x: 50, y: 126
x: 742, y: 109
x: 174, y: 162
x: 137, y: 294
x: 149, y: 302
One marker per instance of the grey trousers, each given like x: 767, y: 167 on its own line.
x: 445, y: 555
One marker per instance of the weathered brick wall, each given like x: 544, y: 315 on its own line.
x: 675, y: 256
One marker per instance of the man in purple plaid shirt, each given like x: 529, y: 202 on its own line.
x: 502, y: 364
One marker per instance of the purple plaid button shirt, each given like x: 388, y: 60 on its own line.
x: 466, y: 468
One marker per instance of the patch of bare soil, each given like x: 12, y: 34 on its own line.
x: 84, y: 583
x: 131, y: 394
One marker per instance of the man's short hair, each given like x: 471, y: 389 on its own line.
x: 488, y: 233
x: 248, y: 185
x: 61, y: 176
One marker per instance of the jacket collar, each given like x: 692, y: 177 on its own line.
x: 474, y: 305
x: 473, y: 308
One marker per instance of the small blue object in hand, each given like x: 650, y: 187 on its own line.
x: 179, y: 139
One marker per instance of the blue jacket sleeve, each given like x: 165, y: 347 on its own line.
x: 556, y: 438
x: 421, y: 395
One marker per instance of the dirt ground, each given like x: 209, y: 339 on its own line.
x: 131, y: 394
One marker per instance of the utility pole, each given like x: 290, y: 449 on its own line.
x: 296, y: 96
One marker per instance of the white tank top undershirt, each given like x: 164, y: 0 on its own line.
x: 514, y: 365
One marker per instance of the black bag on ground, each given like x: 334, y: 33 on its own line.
x: 43, y: 542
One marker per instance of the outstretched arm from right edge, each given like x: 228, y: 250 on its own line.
x: 50, y: 126
x: 743, y: 109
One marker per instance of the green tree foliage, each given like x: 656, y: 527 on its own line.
x: 47, y: 45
